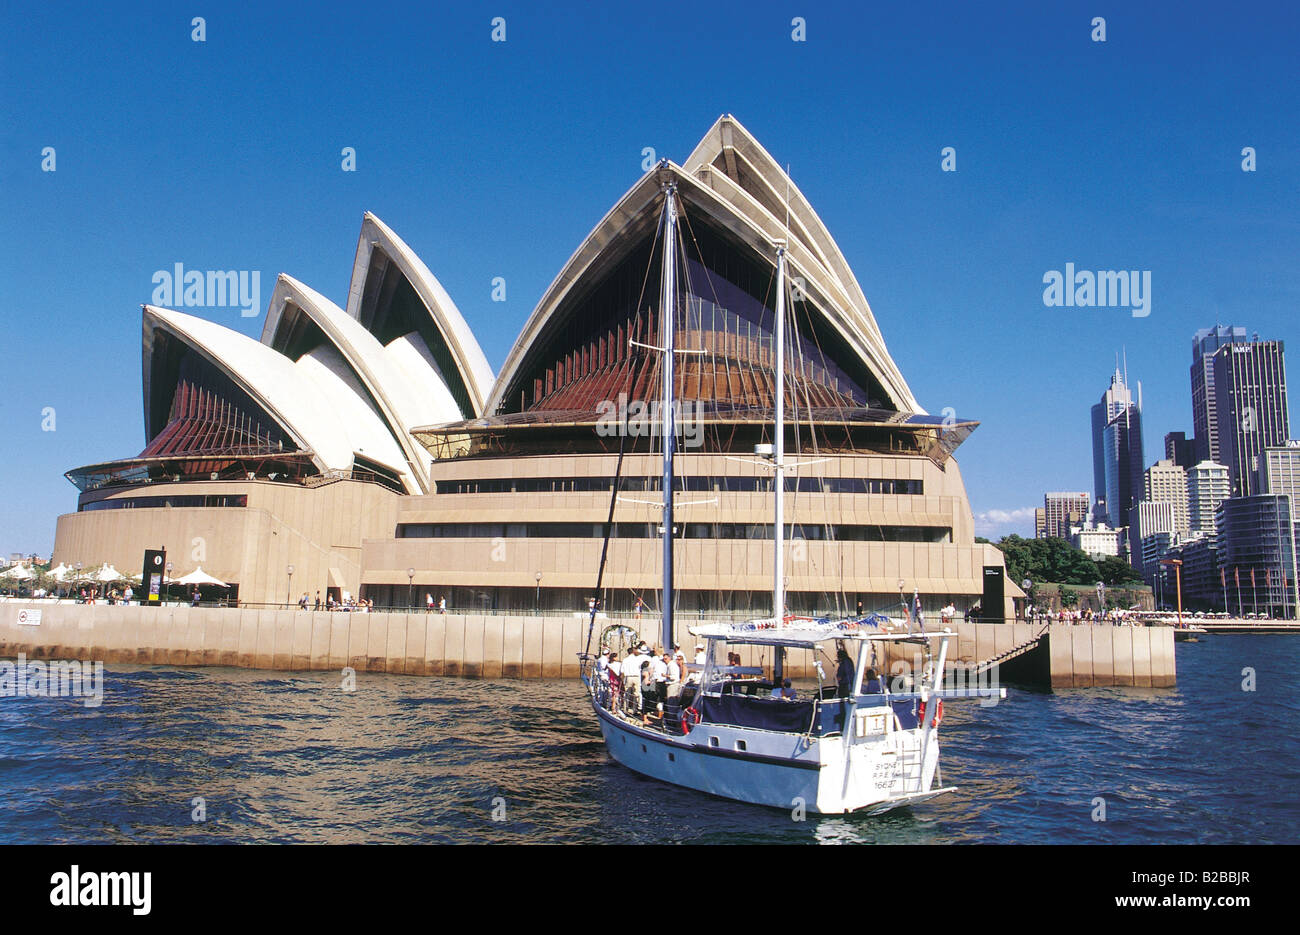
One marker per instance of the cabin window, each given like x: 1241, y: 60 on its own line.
x: 713, y: 741
x: 741, y: 745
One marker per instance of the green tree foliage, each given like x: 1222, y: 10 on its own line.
x: 1115, y: 571
x: 1057, y: 561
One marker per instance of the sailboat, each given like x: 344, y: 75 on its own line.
x: 849, y: 745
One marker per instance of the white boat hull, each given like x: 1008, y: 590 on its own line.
x: 787, y: 771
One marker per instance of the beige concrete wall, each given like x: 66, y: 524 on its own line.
x: 478, y: 646
x: 1088, y: 656
x: 313, y: 529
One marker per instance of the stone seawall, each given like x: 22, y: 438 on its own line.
x: 488, y: 646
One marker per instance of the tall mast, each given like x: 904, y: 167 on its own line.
x: 778, y: 442
x: 668, y: 313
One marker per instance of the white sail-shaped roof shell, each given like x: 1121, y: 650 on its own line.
x: 401, y: 378
x: 317, y: 400
x: 737, y: 168
x: 472, y: 366
x: 812, y: 256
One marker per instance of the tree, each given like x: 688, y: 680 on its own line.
x: 1115, y: 572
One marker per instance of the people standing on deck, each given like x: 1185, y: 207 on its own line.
x: 640, y: 605
x: 659, y: 673
x: 602, y: 679
x: 442, y: 604
x: 647, y: 688
x: 844, y: 674
x: 632, y: 680
x: 317, y: 607
x: 871, y: 683
x: 615, y: 679
x: 674, y: 662
x: 428, y: 602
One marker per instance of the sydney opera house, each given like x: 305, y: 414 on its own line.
x: 369, y: 446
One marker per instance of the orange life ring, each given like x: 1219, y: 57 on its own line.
x: 689, y: 718
x: 938, y: 712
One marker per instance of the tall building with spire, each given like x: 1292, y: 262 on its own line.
x: 1116, y: 401
x: 1117, y: 456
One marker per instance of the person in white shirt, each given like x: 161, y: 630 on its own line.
x: 659, y: 670
x: 674, y: 672
x: 632, y: 680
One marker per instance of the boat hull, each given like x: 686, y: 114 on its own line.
x: 802, y: 775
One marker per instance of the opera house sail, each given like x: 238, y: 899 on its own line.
x: 372, y: 448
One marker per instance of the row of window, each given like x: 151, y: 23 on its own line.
x: 761, y: 531
x: 188, y: 500
x: 704, y: 484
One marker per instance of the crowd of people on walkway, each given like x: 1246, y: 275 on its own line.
x: 1115, y: 617
x: 346, y: 603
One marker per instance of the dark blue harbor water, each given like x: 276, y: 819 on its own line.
x: 289, y: 757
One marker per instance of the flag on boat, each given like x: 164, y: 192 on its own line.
x: 1252, y: 577
x: 1236, y: 575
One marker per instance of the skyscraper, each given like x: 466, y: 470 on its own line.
x: 1204, y: 420
x: 1207, y: 487
x: 1122, y: 463
x: 1117, y: 399
x: 1061, y: 511
x: 1250, y: 406
x: 1166, y: 482
x: 1180, y: 449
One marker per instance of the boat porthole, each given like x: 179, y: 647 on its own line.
x: 643, y: 749
x: 741, y: 745
x: 713, y: 741
x: 672, y: 758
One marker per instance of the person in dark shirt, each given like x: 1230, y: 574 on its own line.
x: 871, y: 683
x: 844, y: 674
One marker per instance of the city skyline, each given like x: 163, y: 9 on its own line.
x: 199, y: 170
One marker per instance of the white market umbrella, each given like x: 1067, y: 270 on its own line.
x: 61, y: 571
x: 199, y: 576
x: 17, y: 573
x: 107, y: 574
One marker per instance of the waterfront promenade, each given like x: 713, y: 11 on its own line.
x: 506, y: 646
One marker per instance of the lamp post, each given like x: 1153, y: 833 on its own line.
x: 1178, y: 579
x: 1027, y: 586
x: 410, y: 588
x: 288, y: 587
x: 1101, y: 599
x: 537, y: 595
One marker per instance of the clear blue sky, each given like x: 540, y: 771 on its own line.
x: 495, y: 159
